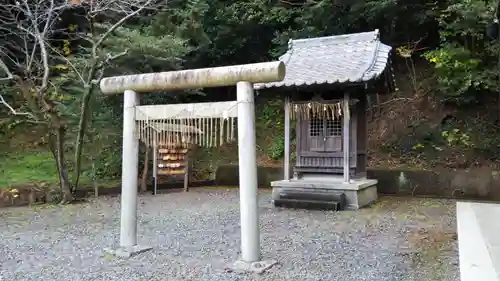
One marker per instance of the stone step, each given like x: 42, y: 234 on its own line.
x: 308, y: 204
x: 313, y: 197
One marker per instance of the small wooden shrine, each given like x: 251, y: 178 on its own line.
x: 325, y: 89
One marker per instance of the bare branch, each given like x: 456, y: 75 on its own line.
x: 12, y: 110
x: 111, y: 58
x: 9, y: 74
x: 103, y: 64
x: 122, y: 6
x: 27, y: 28
x: 46, y: 69
x: 120, y: 22
x: 48, y: 21
x: 69, y: 63
x: 40, y: 40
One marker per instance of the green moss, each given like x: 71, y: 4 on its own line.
x: 36, y: 166
x: 25, y: 167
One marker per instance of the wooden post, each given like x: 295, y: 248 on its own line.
x: 346, y: 137
x: 145, y: 170
x: 186, y: 174
x: 155, y: 165
x: 286, y: 165
x: 94, y: 181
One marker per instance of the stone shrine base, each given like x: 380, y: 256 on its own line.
x: 325, y: 189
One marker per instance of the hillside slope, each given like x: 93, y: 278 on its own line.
x: 408, y: 129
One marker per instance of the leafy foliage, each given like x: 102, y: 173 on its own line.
x: 270, y: 126
x: 202, y: 33
x: 458, y: 70
x: 466, y: 60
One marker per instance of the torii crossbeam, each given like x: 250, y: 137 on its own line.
x: 243, y: 76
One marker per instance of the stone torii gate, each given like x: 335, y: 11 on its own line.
x: 243, y: 76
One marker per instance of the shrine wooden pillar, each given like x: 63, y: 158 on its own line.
x: 346, y: 138
x: 286, y: 164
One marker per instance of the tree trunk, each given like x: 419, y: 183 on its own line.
x: 145, y: 169
x: 82, y: 125
x: 53, y: 147
x: 67, y: 196
x: 81, y: 133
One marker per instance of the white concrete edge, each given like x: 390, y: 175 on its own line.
x: 325, y: 185
x: 475, y: 259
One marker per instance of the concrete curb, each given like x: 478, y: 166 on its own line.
x: 474, y: 184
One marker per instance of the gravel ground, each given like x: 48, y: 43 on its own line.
x: 196, y: 234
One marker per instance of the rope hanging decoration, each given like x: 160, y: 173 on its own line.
x: 314, y: 109
x: 208, y: 124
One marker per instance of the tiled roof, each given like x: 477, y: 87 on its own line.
x: 356, y: 57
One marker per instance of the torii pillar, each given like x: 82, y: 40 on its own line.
x: 243, y: 76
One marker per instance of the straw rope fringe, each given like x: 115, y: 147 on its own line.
x: 312, y: 110
x: 181, y: 130
x: 177, y: 125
